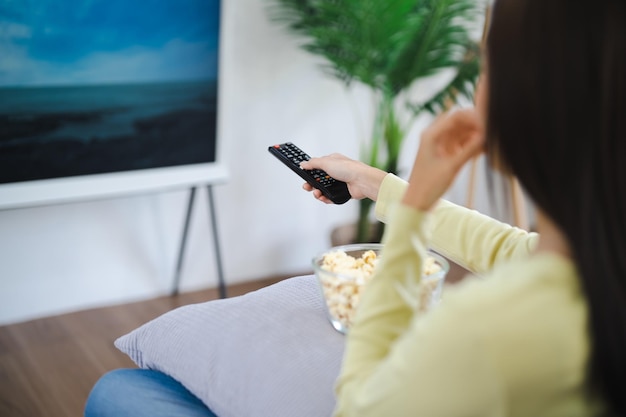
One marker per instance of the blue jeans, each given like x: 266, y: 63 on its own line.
x: 142, y: 392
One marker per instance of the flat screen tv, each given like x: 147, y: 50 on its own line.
x: 101, y: 97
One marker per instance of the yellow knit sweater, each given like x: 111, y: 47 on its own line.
x: 509, y: 341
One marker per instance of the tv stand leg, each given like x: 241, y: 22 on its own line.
x: 183, y: 242
x: 216, y: 243
x: 181, y: 253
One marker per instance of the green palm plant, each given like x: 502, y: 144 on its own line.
x: 388, y: 45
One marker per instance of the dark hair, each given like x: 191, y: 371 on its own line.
x: 557, y: 120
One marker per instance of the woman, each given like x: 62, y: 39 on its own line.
x: 543, y: 333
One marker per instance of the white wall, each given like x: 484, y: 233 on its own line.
x: 66, y: 257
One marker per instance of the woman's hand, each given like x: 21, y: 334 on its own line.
x: 362, y: 179
x: 452, y: 140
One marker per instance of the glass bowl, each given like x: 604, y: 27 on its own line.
x: 344, y: 271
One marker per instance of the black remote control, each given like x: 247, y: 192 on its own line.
x: 291, y: 155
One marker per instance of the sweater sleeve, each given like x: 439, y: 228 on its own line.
x: 473, y: 240
x: 398, y: 365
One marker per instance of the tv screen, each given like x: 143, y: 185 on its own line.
x: 92, y: 87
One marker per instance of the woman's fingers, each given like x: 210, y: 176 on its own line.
x: 316, y: 193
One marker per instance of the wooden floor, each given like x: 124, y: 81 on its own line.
x: 48, y: 366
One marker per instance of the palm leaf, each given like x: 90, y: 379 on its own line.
x: 383, y: 44
x: 462, y: 84
x: 434, y: 39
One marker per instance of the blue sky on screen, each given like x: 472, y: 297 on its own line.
x: 70, y: 42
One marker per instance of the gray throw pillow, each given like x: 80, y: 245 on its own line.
x: 268, y: 353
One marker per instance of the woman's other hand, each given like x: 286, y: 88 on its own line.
x: 362, y: 179
x: 452, y: 140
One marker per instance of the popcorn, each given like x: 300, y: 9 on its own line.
x: 342, y: 293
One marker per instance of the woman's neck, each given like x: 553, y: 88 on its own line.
x: 551, y: 238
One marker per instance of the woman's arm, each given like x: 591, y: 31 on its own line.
x: 467, y: 237
x: 472, y: 240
